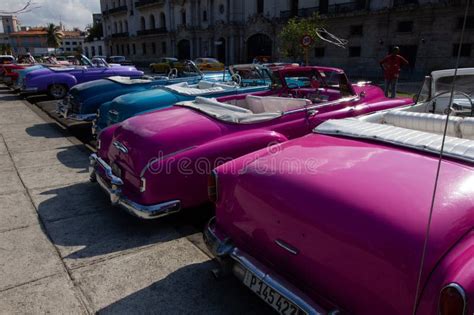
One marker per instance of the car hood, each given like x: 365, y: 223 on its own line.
x: 357, y: 213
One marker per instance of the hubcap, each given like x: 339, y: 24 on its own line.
x: 58, y: 91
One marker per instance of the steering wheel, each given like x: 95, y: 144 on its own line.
x: 290, y: 90
x: 173, y: 73
x: 453, y: 105
x: 236, y: 78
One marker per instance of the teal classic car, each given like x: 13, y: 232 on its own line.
x: 244, y: 79
x: 84, y: 99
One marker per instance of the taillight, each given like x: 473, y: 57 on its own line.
x: 452, y: 300
x: 212, y: 187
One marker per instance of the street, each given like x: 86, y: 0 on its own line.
x: 64, y: 249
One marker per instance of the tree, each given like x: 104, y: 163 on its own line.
x: 293, y: 32
x: 53, y: 36
x: 94, y: 31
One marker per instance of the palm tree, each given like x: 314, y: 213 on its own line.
x: 54, y: 36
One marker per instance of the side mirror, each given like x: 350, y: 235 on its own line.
x: 362, y: 94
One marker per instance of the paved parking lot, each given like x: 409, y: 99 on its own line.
x: 64, y: 249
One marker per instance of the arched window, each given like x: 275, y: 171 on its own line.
x: 152, y: 22
x: 142, y: 23
x: 120, y: 27
x: 162, y: 20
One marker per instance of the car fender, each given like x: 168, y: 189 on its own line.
x: 63, y: 78
x: 457, y: 266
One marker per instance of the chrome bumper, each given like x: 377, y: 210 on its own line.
x: 242, y: 262
x: 25, y: 89
x: 62, y: 108
x: 117, y: 199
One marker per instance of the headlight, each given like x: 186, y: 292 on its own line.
x: 452, y: 300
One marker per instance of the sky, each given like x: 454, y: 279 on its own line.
x: 72, y: 13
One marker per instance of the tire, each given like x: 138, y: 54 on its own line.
x: 57, y: 91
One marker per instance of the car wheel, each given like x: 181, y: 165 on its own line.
x: 57, y: 91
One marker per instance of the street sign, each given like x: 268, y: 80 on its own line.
x: 306, y: 41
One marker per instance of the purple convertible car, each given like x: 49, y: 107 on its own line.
x: 56, y: 82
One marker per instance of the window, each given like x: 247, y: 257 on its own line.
x: 319, y: 51
x: 68, y: 43
x: 74, y: 43
x: 115, y: 27
x: 117, y: 49
x: 357, y: 30
x: 142, y: 23
x: 405, y: 26
x: 153, y: 48
x: 122, y: 49
x: 152, y: 22
x: 128, y: 49
x: 465, y: 50
x: 163, y: 48
x: 100, y: 50
x: 183, y: 17
x: 354, y: 51
x: 260, y: 6
x: 120, y: 27
x: 126, y: 26
x: 221, y: 9
x: 68, y: 49
x: 162, y: 20
x: 134, y: 49
x: 469, y: 22
x: 143, y: 48
x: 204, y: 16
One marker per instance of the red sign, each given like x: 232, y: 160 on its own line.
x: 306, y: 41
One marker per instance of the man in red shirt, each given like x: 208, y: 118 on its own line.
x: 391, y: 66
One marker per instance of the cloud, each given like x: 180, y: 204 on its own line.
x: 72, y: 13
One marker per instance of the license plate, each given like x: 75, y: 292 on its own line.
x: 277, y: 301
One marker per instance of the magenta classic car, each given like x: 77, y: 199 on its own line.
x: 57, y: 81
x: 336, y: 221
x: 156, y: 163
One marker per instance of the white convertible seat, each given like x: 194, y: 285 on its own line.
x: 127, y: 80
x: 193, y: 90
x: 467, y: 128
x: 227, y: 112
x: 273, y: 104
x: 423, y: 122
x: 425, y: 141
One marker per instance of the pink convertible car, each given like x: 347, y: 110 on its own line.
x: 336, y: 221
x: 156, y: 163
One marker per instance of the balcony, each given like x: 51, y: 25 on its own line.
x: 148, y: 3
x: 119, y: 35
x: 121, y: 9
x: 401, y: 3
x: 345, y: 7
x: 304, y: 12
x: 154, y: 31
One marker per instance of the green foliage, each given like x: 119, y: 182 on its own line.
x: 95, y: 31
x: 293, y: 32
x: 54, y: 35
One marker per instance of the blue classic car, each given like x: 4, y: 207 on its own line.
x: 57, y: 81
x: 83, y: 100
x: 245, y: 79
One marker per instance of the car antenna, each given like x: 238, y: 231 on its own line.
x: 435, y: 188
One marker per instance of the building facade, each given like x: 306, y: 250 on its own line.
x: 427, y: 31
x: 72, y: 41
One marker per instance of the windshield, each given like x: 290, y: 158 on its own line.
x: 464, y: 83
x: 252, y: 76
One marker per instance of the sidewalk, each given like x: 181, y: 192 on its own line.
x: 63, y: 249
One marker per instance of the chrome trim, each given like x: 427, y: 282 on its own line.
x: 276, y: 283
x: 218, y: 247
x: 120, y: 146
x: 461, y: 291
x: 114, y: 180
x: 25, y: 89
x: 287, y: 247
x: 116, y: 198
x: 353, y: 98
x: 62, y: 108
x: 154, y: 160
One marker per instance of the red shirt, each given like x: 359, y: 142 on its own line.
x: 391, y: 65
